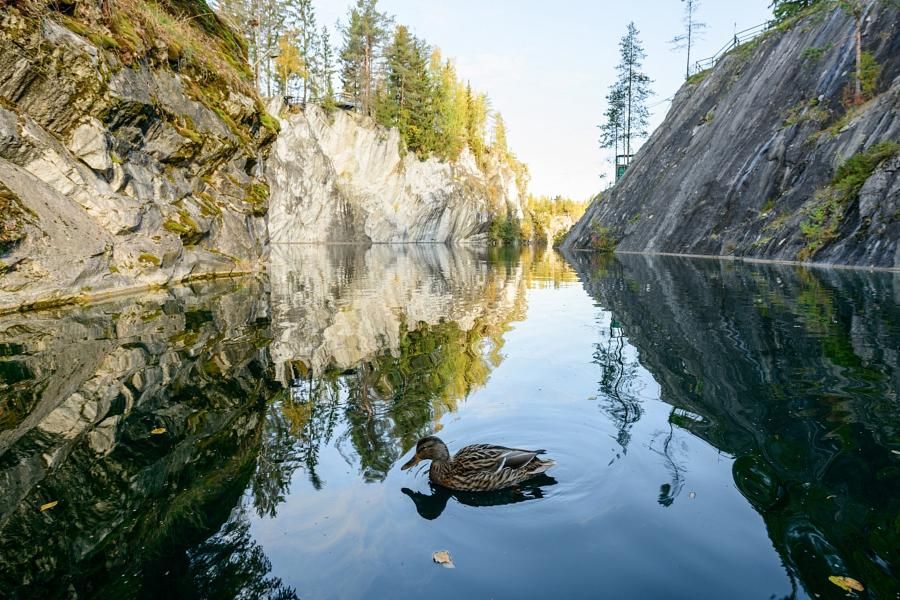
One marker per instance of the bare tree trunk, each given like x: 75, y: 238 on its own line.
x: 858, y: 89
x: 690, y: 29
x: 367, y: 79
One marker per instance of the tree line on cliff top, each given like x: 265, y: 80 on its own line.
x: 384, y: 70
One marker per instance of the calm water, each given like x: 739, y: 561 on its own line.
x: 721, y: 431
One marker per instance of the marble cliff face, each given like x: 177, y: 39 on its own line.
x: 340, y: 178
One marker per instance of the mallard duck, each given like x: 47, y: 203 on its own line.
x: 477, y: 468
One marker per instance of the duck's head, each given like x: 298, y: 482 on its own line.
x: 428, y: 448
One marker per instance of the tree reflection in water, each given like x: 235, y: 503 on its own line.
x: 374, y: 412
x: 617, y: 375
x: 231, y: 564
x: 793, y: 372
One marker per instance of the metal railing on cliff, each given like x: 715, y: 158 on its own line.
x: 739, y: 38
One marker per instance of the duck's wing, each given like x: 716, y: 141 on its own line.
x: 485, y: 457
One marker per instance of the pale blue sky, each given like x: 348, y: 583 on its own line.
x: 547, y: 66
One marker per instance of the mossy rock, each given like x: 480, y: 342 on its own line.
x: 257, y: 197
x: 185, y: 227
x: 149, y: 259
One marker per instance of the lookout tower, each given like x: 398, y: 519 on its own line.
x: 622, y: 162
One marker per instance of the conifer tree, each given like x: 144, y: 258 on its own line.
x: 261, y: 23
x: 635, y: 87
x: 612, y: 129
x: 407, y: 93
x: 364, y: 35
x: 785, y: 9
x: 325, y: 70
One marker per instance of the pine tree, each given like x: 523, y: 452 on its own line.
x: 611, y: 131
x: 364, y: 36
x: 635, y: 86
x: 785, y: 9
x: 406, y: 99
x: 325, y: 70
x: 693, y: 31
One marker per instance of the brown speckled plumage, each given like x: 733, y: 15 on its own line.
x: 480, y: 467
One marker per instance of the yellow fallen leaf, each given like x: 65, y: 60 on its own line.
x: 158, y: 431
x: 49, y: 505
x: 442, y: 557
x: 848, y: 584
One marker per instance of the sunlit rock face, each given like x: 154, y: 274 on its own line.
x: 340, y: 178
x: 739, y: 165
x: 140, y: 419
x: 114, y: 176
x: 340, y: 305
x: 792, y: 372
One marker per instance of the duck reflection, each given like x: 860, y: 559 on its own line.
x: 430, y: 506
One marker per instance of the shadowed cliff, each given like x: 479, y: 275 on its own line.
x: 794, y: 373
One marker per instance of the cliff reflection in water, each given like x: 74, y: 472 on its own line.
x: 793, y: 372
x: 149, y: 420
x: 141, y: 419
x: 376, y: 345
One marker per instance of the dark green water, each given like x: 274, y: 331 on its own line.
x: 721, y: 431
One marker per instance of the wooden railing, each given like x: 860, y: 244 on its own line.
x: 343, y: 102
x: 739, y: 38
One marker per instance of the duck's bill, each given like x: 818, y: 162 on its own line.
x: 411, y: 463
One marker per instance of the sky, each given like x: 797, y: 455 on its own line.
x: 547, y: 66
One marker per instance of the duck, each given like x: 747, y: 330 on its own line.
x: 479, y: 467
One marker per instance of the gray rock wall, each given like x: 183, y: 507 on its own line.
x: 341, y: 178
x: 115, y: 177
x: 735, y: 167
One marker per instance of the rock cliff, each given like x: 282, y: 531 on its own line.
x: 341, y: 178
x: 747, y: 160
x: 134, y: 153
x: 125, y: 160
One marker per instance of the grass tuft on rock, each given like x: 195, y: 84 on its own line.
x: 830, y: 204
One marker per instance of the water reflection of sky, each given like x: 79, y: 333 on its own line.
x: 606, y: 525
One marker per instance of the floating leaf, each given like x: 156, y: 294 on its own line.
x: 848, y: 584
x: 158, y: 431
x: 442, y: 557
x: 49, y: 505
